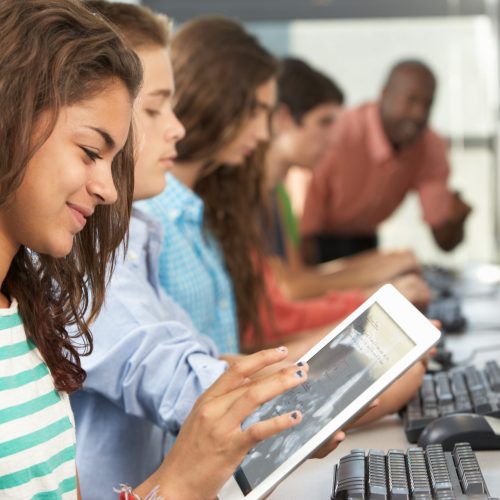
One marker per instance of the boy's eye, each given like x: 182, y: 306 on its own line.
x: 91, y: 154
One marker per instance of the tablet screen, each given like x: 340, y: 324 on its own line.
x: 338, y: 373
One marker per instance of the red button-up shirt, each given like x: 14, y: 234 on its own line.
x: 362, y: 180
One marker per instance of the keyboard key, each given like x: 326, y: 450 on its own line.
x: 417, y: 472
x: 493, y: 373
x: 350, y: 476
x: 443, y: 393
x: 438, y: 471
x: 469, y: 471
x: 397, y: 475
x: 377, y: 485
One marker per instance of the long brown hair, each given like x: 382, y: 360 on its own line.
x: 218, y: 67
x: 139, y: 25
x: 54, y: 53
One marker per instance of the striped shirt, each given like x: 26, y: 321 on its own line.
x: 37, y: 437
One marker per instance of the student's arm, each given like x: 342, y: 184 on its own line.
x: 370, y: 267
x: 396, y: 395
x: 212, y: 442
x: 282, y: 317
x: 145, y: 360
x: 367, y: 275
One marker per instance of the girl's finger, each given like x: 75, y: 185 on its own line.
x: 267, y: 428
x: 258, y: 392
x: 241, y: 370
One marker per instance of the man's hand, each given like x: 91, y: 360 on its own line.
x: 460, y: 209
x: 451, y: 233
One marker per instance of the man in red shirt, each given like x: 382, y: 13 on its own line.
x: 382, y: 151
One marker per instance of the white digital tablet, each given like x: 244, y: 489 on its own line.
x: 350, y: 367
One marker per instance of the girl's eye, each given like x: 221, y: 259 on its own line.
x: 93, y: 156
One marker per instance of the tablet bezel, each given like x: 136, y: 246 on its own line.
x: 413, y: 323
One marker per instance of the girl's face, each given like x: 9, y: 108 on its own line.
x: 69, y: 175
x: 255, y: 130
x: 158, y: 128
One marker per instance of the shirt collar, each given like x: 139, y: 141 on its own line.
x: 180, y: 201
x: 143, y: 231
x: 144, y: 243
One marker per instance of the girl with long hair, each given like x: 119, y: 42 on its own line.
x: 67, y: 83
x: 67, y: 86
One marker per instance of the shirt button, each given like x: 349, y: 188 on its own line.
x: 223, y: 304
x: 133, y: 256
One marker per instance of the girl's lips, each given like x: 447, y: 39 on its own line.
x: 80, y: 214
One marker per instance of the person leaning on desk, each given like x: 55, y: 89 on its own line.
x: 381, y: 151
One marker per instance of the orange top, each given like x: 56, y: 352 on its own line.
x: 363, y: 179
x: 283, y: 317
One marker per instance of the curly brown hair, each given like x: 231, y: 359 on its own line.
x: 54, y: 53
x: 218, y: 67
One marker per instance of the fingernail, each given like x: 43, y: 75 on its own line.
x: 299, y: 373
x: 294, y: 415
x: 282, y: 349
x: 300, y: 363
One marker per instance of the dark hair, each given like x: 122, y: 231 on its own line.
x: 140, y: 26
x: 302, y: 88
x: 55, y: 53
x: 415, y: 64
x: 218, y: 67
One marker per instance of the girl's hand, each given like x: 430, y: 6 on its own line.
x: 212, y: 443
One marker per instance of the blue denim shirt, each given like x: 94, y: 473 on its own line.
x: 144, y: 375
x: 192, y: 268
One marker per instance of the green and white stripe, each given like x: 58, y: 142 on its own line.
x: 37, y: 438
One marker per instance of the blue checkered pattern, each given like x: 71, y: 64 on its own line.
x: 192, y: 269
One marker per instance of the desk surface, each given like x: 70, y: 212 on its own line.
x: 313, y: 479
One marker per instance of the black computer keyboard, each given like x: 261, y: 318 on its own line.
x: 446, y: 305
x: 461, y: 389
x: 417, y: 474
x: 441, y: 280
x: 448, y: 310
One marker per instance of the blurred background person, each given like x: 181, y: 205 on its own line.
x: 308, y: 105
x: 382, y: 151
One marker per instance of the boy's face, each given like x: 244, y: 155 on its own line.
x: 308, y: 141
x: 158, y: 129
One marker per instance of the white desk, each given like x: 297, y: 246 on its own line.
x: 313, y: 480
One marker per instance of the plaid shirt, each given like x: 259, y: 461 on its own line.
x: 192, y: 269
